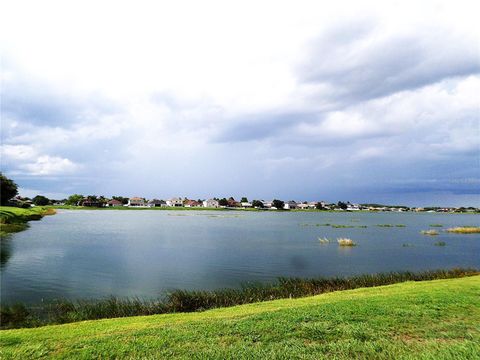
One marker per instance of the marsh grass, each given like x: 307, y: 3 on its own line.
x: 407, y: 245
x: 440, y: 243
x: 66, y: 311
x: 464, y: 230
x: 429, y: 232
x: 338, y: 226
x: 385, y: 225
x: 346, y: 242
x: 436, y: 225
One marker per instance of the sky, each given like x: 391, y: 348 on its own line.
x: 372, y: 101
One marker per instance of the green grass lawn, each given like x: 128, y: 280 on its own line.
x: 14, y: 219
x: 437, y: 319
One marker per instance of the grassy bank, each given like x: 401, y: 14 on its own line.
x: 13, y: 219
x: 18, y: 315
x: 422, y: 320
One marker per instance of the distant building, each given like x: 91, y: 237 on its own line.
x: 156, y: 203
x: 192, y: 203
x: 246, y: 204
x: 290, y: 205
x: 92, y: 203
x: 267, y: 204
x: 175, y: 202
x: 233, y: 203
x: 211, y: 203
x: 114, y: 202
x: 136, y: 202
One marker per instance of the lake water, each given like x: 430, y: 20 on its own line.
x: 92, y: 254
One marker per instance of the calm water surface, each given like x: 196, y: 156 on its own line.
x: 92, y: 254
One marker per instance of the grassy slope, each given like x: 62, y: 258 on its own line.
x: 432, y: 320
x: 14, y: 219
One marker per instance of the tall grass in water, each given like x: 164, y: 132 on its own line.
x: 429, y: 232
x: 66, y: 311
x: 465, y: 230
x: 346, y: 242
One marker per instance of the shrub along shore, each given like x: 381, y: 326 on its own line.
x: 14, y: 219
x: 412, y: 320
x: 66, y: 311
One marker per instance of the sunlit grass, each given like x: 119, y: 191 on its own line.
x: 464, y: 230
x: 346, y: 242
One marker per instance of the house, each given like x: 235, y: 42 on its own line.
x: 290, y: 205
x: 192, y: 203
x: 175, y: 202
x: 211, y: 203
x: 267, y: 204
x: 91, y: 203
x: 246, y: 204
x: 233, y: 203
x: 303, y: 206
x: 156, y: 203
x: 113, y: 203
x: 136, y: 202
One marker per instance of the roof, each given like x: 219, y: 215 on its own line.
x: 114, y: 201
x: 136, y: 198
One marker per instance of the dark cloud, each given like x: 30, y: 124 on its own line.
x: 358, y: 68
x: 260, y: 126
x: 30, y: 101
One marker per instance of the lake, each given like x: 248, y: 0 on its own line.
x: 93, y: 254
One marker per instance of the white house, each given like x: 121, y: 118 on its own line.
x: 267, y: 204
x: 289, y: 205
x: 246, y: 204
x: 173, y: 202
x: 211, y: 203
x: 136, y: 202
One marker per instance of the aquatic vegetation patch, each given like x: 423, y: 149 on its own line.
x: 440, y: 243
x: 436, y: 225
x: 407, y: 245
x: 401, y: 225
x: 346, y: 242
x: 464, y: 230
x: 429, y: 232
x: 337, y: 226
x: 324, y: 240
x: 385, y: 225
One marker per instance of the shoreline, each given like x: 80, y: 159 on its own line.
x: 19, y: 315
x: 14, y: 219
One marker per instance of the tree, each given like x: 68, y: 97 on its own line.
x: 278, y: 204
x: 319, y: 206
x: 244, y: 199
x: 40, y: 200
x: 74, y: 199
x: 223, y: 202
x: 8, y: 189
x: 122, y: 199
x: 342, y: 205
x: 257, y: 204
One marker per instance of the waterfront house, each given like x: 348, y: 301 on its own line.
x: 233, y: 203
x: 211, y: 203
x: 267, y: 204
x: 175, y: 202
x: 290, y: 205
x: 92, y: 203
x: 192, y: 203
x: 303, y: 206
x: 156, y: 203
x: 246, y: 204
x: 113, y: 203
x: 136, y: 202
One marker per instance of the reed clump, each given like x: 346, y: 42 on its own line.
x: 65, y: 311
x: 429, y: 232
x: 346, y: 242
x: 464, y: 230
